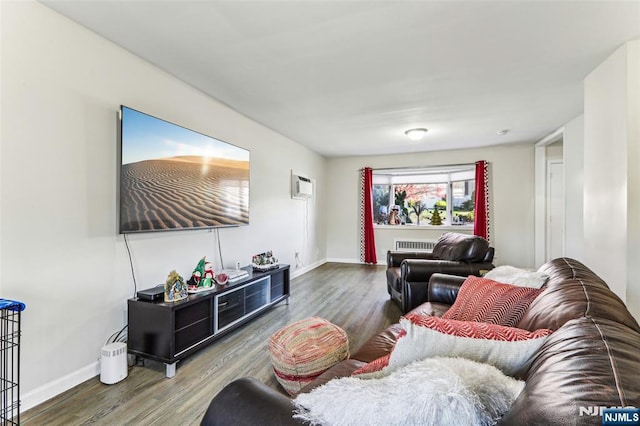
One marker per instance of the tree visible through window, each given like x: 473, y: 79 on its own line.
x: 443, y: 195
x: 464, y: 197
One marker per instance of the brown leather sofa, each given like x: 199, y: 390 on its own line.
x: 591, y: 360
x: 408, y: 273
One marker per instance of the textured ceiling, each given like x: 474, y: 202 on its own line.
x: 349, y: 77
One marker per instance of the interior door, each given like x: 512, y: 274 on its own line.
x: 555, y: 210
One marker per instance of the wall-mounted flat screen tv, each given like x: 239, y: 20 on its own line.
x: 173, y: 178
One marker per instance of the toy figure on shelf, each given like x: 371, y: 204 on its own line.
x: 197, y: 273
x: 174, y: 288
x: 207, y: 277
x: 394, y: 216
x: 202, y: 276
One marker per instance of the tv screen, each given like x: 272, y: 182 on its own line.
x: 173, y: 178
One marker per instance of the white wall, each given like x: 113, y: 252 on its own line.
x: 611, y: 184
x: 573, y: 187
x: 512, y: 201
x: 555, y: 151
x: 61, y: 255
x: 633, y: 177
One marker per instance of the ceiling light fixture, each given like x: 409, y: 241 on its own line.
x: 415, y: 134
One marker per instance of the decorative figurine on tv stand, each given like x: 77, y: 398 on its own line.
x: 264, y: 261
x: 208, y: 275
x: 174, y: 288
x: 201, y: 277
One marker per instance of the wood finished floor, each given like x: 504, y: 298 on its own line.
x: 351, y: 296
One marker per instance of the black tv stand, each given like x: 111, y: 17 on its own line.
x: 169, y: 332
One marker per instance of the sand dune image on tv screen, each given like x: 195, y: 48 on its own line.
x: 183, y: 192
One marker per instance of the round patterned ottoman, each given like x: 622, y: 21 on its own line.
x: 303, y: 350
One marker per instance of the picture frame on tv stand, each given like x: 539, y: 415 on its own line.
x: 174, y: 178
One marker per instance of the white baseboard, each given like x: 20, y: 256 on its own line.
x: 56, y: 387
x: 304, y: 269
x: 49, y: 390
x: 341, y: 260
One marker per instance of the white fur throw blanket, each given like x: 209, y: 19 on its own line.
x: 433, y: 391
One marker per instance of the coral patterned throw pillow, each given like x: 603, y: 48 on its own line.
x: 485, y: 300
x: 506, y: 348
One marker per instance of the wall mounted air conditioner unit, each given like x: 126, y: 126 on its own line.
x: 301, y: 186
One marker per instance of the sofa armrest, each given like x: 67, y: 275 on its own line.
x: 416, y: 273
x: 443, y: 288
x: 395, y: 258
x: 414, y: 279
x: 488, y: 257
x: 245, y: 401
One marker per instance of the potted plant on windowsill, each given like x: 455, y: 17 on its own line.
x: 400, y: 200
x: 418, y: 207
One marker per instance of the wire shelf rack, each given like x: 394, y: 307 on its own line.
x: 10, y: 313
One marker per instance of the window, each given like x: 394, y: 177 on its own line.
x: 426, y: 196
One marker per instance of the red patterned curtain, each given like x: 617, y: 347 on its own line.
x: 367, y: 239
x: 481, y: 213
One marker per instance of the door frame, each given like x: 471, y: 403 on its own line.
x: 540, y: 211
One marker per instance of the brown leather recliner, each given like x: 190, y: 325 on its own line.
x: 408, y: 273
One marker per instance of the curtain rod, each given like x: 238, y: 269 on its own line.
x: 422, y: 167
